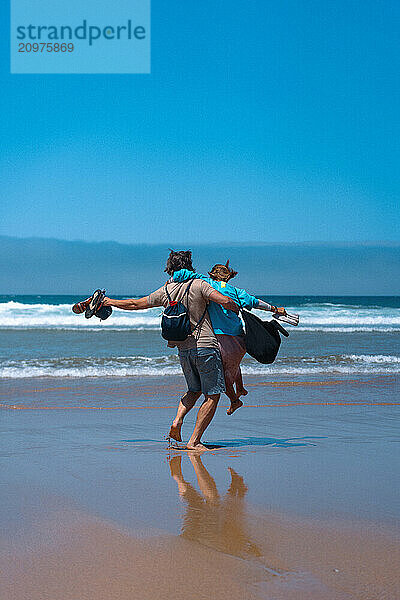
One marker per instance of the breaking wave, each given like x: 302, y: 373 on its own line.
x: 135, y: 366
x: 323, y: 317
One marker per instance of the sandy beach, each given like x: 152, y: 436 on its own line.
x: 297, y: 498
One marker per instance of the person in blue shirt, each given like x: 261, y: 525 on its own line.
x: 228, y: 326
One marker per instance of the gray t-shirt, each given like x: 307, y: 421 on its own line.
x: 196, y: 302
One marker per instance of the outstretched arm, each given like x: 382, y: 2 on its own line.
x: 248, y: 301
x: 129, y: 304
x: 275, y: 309
x: 224, y: 301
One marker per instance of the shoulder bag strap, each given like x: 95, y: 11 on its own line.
x: 238, y: 301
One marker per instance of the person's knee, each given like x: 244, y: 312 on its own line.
x: 190, y: 397
x: 214, y: 398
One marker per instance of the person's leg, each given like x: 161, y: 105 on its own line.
x: 232, y: 351
x: 186, y: 403
x: 240, y: 351
x: 206, y: 483
x: 192, y: 395
x: 175, y: 465
x: 186, y: 490
x: 226, y: 348
x: 240, y: 389
x: 237, y: 487
x: 209, y: 367
x: 229, y: 389
x: 204, y: 418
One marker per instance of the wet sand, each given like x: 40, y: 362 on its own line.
x: 70, y: 554
x: 297, y: 499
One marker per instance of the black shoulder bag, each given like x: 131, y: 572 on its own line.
x: 261, y: 338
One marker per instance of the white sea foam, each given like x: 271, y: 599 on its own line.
x: 351, y: 317
x: 373, y: 358
x: 28, y: 372
x: 131, y: 366
x: 326, y: 317
x: 79, y: 372
x: 18, y: 315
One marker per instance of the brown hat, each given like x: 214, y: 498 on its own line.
x: 222, y: 272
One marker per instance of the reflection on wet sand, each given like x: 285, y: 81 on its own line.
x: 212, y: 520
x: 290, y: 559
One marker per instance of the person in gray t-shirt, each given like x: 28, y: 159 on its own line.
x: 199, y: 354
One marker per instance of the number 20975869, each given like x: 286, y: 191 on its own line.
x: 45, y: 47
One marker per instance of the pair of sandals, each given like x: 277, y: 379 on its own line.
x: 287, y: 318
x: 93, y: 306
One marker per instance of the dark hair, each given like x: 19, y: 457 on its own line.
x: 177, y: 260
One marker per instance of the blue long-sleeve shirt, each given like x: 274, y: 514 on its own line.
x: 224, y: 322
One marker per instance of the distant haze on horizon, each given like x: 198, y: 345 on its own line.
x: 50, y: 266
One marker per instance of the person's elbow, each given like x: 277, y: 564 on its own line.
x: 133, y: 305
x: 141, y: 303
x: 130, y: 304
x: 229, y: 304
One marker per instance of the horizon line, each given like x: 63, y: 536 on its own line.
x: 246, y: 243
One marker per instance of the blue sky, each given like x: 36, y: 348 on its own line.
x: 261, y: 121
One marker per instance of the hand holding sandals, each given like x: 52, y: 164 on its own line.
x: 94, y: 305
x: 279, y: 310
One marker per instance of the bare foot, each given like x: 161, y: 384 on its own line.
x: 197, y: 447
x: 234, y: 406
x: 241, y: 392
x: 175, y: 432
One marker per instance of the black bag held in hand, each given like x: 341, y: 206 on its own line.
x: 175, y: 322
x: 262, y: 338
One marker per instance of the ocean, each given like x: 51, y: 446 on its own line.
x: 337, y: 336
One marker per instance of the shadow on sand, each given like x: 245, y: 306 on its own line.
x: 239, y: 442
x: 254, y: 441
